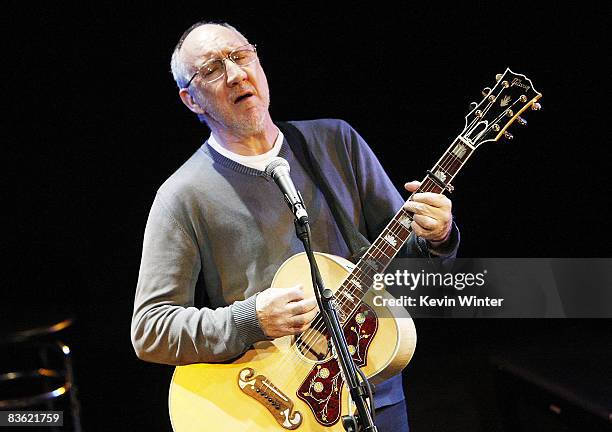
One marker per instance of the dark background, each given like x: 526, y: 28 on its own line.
x: 95, y: 126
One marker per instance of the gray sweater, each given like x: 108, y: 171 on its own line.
x: 228, y: 226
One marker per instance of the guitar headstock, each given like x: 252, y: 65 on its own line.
x: 502, y: 105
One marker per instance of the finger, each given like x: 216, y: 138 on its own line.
x: 418, y: 208
x: 310, y: 315
x: 302, y: 306
x: 433, y: 199
x: 297, y: 322
x: 294, y: 293
x: 439, y: 233
x: 412, y: 186
x: 303, y: 322
x: 419, y: 230
x: 304, y: 328
x: 426, y: 222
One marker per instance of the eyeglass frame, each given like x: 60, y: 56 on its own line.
x: 223, y: 59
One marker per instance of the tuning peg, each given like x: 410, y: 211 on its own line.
x: 536, y: 106
x: 473, y: 106
x: 486, y: 91
x: 508, y: 135
x: 520, y: 120
x: 498, y: 77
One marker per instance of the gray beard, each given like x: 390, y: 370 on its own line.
x: 251, y: 125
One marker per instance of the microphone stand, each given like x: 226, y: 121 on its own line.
x: 325, y: 298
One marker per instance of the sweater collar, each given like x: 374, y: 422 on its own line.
x: 238, y: 167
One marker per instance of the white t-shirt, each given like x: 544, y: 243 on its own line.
x: 258, y: 162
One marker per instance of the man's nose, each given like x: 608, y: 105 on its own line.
x: 234, y: 73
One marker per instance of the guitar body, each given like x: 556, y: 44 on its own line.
x: 307, y: 393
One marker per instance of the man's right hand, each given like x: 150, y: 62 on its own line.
x: 285, y: 311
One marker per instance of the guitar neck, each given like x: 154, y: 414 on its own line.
x: 393, y: 237
x: 487, y: 121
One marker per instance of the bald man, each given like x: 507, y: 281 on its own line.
x: 218, y: 230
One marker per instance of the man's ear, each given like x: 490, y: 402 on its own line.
x: 190, y: 101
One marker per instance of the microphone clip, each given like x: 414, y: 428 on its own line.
x: 298, y: 209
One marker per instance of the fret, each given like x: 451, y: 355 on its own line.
x: 428, y: 185
x: 347, y: 301
x: 446, y: 169
x: 441, y: 173
x: 453, y: 159
x: 355, y: 283
x: 401, y: 227
x: 363, y: 278
x: 398, y: 230
x: 459, y: 150
x: 371, y: 263
x: 404, y: 219
x: 393, y: 237
x: 377, y: 258
x: 450, y: 156
x: 383, y: 248
x: 482, y: 125
x: 390, y: 238
x: 349, y: 296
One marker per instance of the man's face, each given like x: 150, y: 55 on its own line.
x: 238, y: 102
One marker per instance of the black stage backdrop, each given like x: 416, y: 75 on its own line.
x: 95, y: 126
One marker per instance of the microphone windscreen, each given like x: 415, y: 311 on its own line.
x: 275, y: 163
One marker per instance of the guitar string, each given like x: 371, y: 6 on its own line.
x: 348, y: 294
x: 395, y: 226
x: 499, y: 117
x: 444, y: 166
x: 392, y: 227
x: 380, y: 249
x: 447, y: 161
x: 316, y: 329
x: 471, y: 126
x: 312, y: 338
x: 485, y: 110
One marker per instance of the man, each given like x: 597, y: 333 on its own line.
x: 219, y: 220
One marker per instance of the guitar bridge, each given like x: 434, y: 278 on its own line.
x: 267, y: 394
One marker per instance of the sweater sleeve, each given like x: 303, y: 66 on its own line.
x: 380, y: 201
x: 166, y: 327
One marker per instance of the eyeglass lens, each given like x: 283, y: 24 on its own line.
x: 214, y: 69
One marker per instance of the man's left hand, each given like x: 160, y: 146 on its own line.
x: 432, y: 218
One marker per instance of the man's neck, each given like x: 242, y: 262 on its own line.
x: 248, y: 145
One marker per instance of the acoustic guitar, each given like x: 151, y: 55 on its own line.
x: 293, y: 382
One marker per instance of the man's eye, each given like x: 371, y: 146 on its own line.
x: 210, y: 70
x: 242, y: 57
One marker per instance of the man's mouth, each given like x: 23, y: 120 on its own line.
x: 243, y: 97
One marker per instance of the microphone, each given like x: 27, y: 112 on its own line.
x: 279, y: 169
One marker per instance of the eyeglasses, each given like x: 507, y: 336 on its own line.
x: 214, y: 69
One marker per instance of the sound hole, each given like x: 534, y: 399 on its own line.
x: 314, y: 344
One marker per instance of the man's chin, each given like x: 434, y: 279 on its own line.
x: 250, y: 124
x: 246, y: 122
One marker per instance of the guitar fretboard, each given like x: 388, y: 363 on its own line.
x: 380, y: 253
